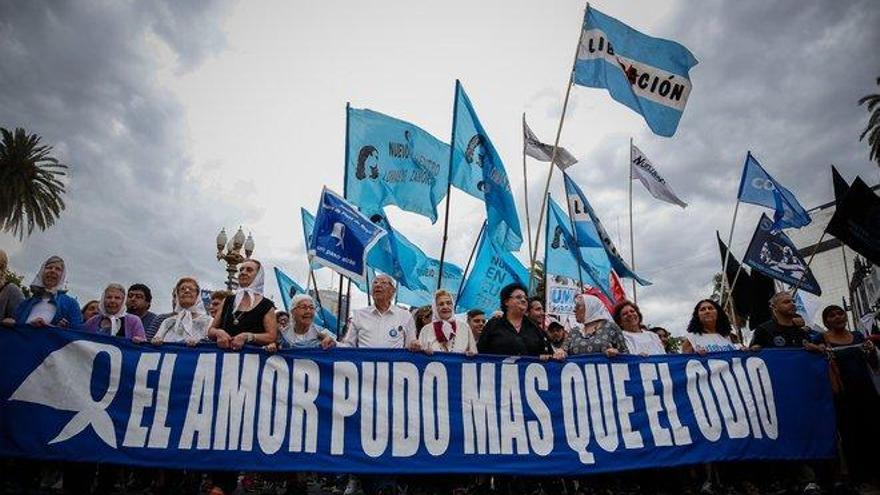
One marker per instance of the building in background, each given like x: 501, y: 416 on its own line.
x: 846, y: 278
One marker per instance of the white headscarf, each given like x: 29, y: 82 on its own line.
x: 254, y: 289
x: 594, y: 309
x: 117, y: 318
x: 37, y: 286
x: 448, y: 327
x: 185, y: 316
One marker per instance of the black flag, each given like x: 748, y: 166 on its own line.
x: 840, y: 185
x: 741, y: 291
x: 856, y: 221
x: 763, y: 289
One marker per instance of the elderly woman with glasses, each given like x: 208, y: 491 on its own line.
x: 302, y: 331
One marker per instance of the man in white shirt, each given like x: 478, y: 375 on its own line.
x: 382, y: 325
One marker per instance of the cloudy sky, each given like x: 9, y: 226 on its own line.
x: 178, y: 118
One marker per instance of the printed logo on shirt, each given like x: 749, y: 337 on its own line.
x: 393, y: 332
x: 779, y: 341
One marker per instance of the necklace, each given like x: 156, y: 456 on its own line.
x: 236, y: 315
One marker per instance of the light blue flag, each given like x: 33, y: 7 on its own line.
x: 308, y: 224
x: 591, y: 234
x: 428, y: 273
x: 649, y: 75
x: 477, y: 169
x: 563, y: 256
x: 758, y: 188
x: 342, y: 236
x: 392, y: 162
x: 396, y: 256
x: 494, y: 268
x: 289, y: 288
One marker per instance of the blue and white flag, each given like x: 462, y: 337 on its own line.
x: 563, y: 255
x: 342, y: 236
x: 649, y: 75
x: 772, y: 253
x: 493, y: 268
x: 395, y: 255
x: 477, y: 169
x: 590, y: 232
x: 392, y: 162
x: 758, y: 188
x: 428, y: 274
x: 73, y: 396
x: 289, y: 288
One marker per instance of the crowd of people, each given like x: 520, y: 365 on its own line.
x: 520, y: 327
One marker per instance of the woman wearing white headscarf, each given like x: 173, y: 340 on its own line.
x: 190, y: 321
x: 595, y: 331
x: 446, y: 333
x: 248, y: 317
x: 112, y: 318
x: 49, y: 304
x: 302, y: 331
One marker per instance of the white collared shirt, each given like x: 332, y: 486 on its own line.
x: 370, y: 328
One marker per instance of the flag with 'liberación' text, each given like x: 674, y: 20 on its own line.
x: 649, y: 75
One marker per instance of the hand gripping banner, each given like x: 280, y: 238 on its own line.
x: 66, y: 395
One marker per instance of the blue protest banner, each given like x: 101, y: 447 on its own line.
x: 649, y: 75
x: 478, y: 170
x: 67, y: 395
x: 393, y: 162
x: 342, y: 236
x: 772, y: 253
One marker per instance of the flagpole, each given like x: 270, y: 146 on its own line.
x: 470, y: 259
x: 848, y: 286
x: 730, y: 307
x: 448, y: 186
x: 344, y: 195
x: 315, y: 285
x: 555, y: 148
x: 632, y: 244
x: 339, y: 309
x: 526, y: 191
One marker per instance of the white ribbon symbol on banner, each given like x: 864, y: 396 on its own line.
x: 64, y: 380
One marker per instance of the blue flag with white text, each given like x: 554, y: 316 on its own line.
x: 393, y: 162
x: 493, y: 268
x: 758, y: 188
x: 395, y: 255
x: 647, y: 74
x: 289, y: 288
x: 590, y: 233
x: 772, y: 253
x: 342, y: 236
x: 477, y: 169
x: 563, y: 255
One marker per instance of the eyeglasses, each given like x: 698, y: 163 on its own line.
x: 187, y: 288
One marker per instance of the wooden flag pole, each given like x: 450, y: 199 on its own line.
x: 632, y: 244
x: 526, y: 191
x: 339, y: 309
x: 568, y: 86
x: 809, y: 262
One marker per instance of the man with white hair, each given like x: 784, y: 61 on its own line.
x: 382, y: 325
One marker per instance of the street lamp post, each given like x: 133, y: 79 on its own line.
x: 231, y: 253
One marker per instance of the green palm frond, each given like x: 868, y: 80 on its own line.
x: 31, y: 196
x: 872, y: 131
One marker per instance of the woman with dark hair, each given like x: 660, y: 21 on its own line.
x: 422, y: 317
x: 513, y: 334
x: 367, y: 153
x: 638, y: 340
x: 709, y: 330
x: 89, y: 309
x: 855, y: 398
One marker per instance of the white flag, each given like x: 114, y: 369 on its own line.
x: 652, y: 180
x: 544, y: 152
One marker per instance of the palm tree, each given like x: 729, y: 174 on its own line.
x: 31, y: 177
x: 873, y: 129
